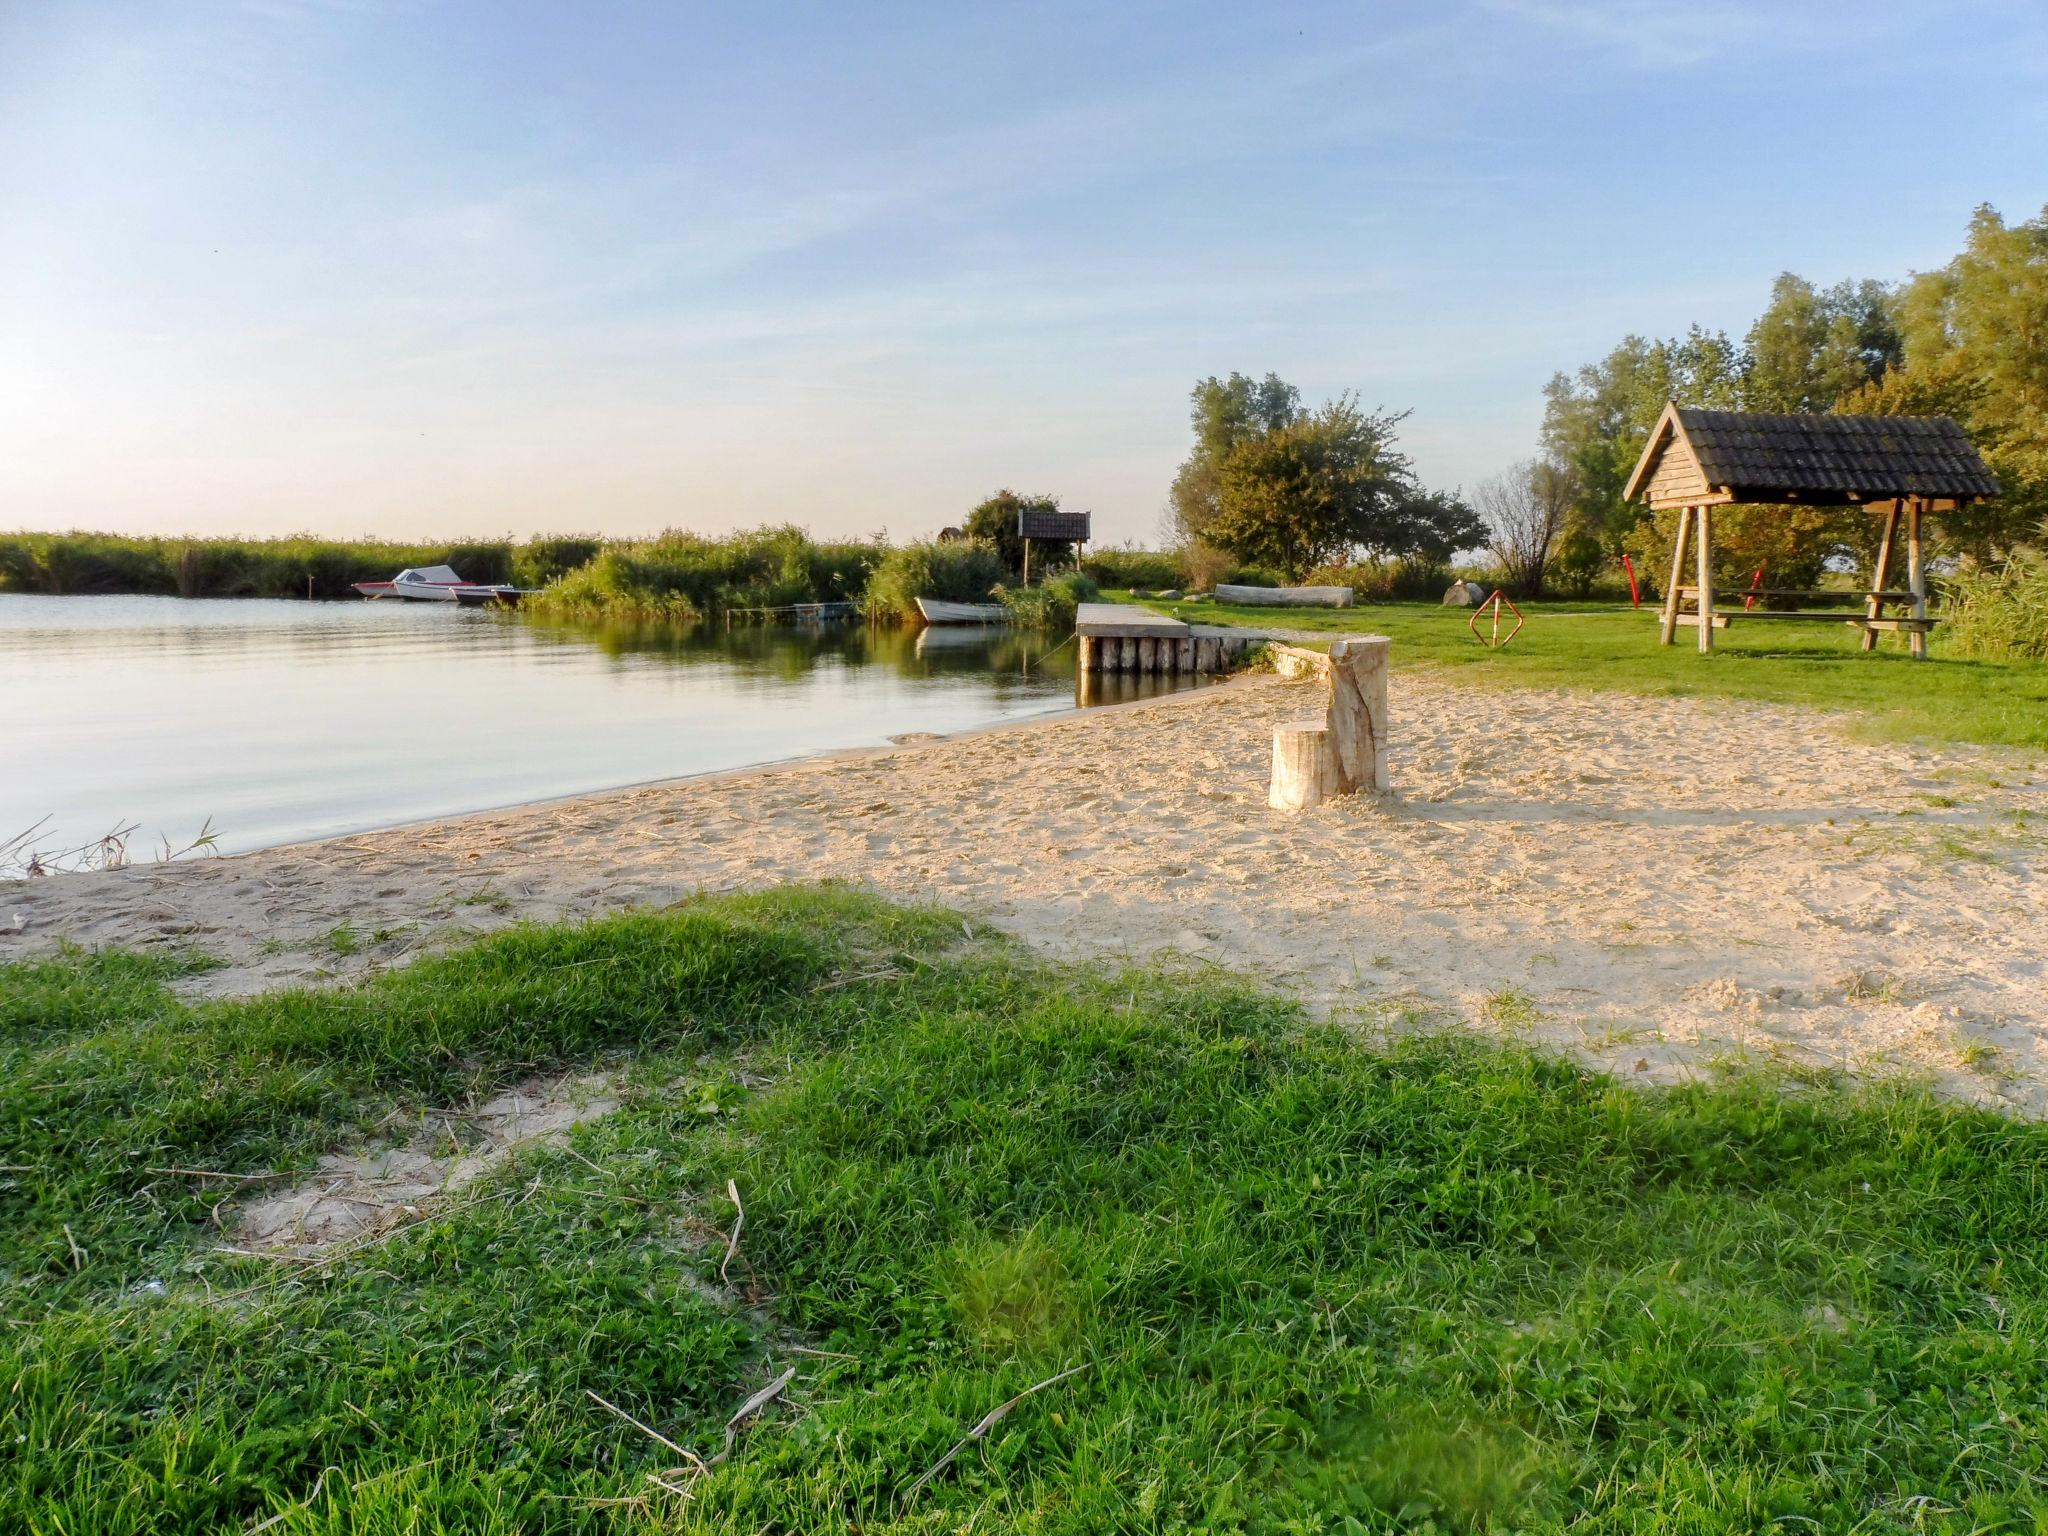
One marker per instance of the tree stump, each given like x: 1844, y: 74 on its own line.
x: 1304, y: 768
x: 1345, y: 751
x: 1358, y: 713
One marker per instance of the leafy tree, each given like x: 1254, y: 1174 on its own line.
x: 1225, y: 413
x: 994, y: 522
x: 1526, y: 511
x: 1329, y: 482
x: 1595, y: 422
x: 1976, y: 348
x: 1810, y: 348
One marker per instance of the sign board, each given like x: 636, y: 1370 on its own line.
x: 1068, y: 526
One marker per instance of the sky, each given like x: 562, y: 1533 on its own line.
x: 426, y: 269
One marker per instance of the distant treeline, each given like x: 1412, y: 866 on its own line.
x: 62, y: 564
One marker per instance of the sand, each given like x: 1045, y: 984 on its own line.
x: 1658, y: 886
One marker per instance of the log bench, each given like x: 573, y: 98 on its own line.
x: 1346, y: 750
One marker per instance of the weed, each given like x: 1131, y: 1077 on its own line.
x: 1510, y: 1007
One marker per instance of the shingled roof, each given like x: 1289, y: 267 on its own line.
x: 1698, y: 455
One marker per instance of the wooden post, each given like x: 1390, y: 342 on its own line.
x: 1881, y: 574
x: 1358, y: 713
x: 1027, y: 562
x: 1677, y: 575
x: 1148, y: 654
x: 1303, y: 766
x: 1916, y: 575
x: 1706, y: 583
x: 1084, y: 659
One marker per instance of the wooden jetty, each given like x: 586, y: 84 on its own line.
x: 1117, y: 637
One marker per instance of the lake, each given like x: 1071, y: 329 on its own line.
x: 281, y: 721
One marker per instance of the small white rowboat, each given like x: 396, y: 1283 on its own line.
x: 938, y: 611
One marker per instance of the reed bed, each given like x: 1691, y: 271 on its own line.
x: 681, y: 577
x: 69, y: 564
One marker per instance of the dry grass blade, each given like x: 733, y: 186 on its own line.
x: 732, y: 1244
x: 749, y: 1408
x: 988, y: 1422
x: 215, y: 1173
x: 653, y: 1434
x: 293, y: 1509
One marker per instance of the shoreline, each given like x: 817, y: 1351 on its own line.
x: 1562, y: 872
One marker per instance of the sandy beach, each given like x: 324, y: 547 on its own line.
x: 1655, y: 885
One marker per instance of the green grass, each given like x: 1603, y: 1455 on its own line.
x: 1315, y: 1285
x: 1577, y: 645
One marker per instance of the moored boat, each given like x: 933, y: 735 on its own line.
x: 419, y: 584
x: 939, y: 611
x: 486, y: 596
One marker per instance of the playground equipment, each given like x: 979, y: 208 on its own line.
x: 1495, y: 641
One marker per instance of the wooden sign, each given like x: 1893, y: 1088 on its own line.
x: 1071, y: 527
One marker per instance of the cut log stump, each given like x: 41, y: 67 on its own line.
x: 1345, y: 751
x: 1304, y: 768
x: 1358, y: 713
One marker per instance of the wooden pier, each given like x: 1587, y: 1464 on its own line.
x: 1117, y: 637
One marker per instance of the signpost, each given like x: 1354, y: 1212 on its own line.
x: 1061, y: 527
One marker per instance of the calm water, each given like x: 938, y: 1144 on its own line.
x: 282, y: 721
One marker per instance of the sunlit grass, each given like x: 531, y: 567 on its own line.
x: 1313, y: 1284
x: 1599, y: 646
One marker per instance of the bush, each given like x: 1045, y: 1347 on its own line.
x: 1128, y: 568
x: 1386, y: 581
x: 549, y: 557
x: 1254, y: 576
x: 962, y: 571
x: 1999, y: 613
x: 1050, y: 605
x: 680, y: 577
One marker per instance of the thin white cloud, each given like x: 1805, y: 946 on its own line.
x: 1656, y: 34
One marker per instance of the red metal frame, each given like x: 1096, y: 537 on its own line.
x: 1635, y: 593
x: 1749, y: 602
x: 1494, y: 604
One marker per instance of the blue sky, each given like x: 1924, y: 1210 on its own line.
x: 415, y: 268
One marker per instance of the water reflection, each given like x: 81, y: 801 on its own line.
x: 284, y: 720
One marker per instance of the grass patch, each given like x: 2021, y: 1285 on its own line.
x: 1583, y: 645
x: 1317, y: 1286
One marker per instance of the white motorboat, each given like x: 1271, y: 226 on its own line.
x: 419, y: 584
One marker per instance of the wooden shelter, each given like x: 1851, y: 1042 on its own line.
x: 1900, y: 466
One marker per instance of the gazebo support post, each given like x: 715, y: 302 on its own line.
x: 1883, y: 573
x: 1706, y: 603
x: 1677, y: 574
x: 1916, y: 576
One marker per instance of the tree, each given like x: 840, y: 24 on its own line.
x: 1526, y: 510
x: 1976, y: 348
x: 1595, y: 422
x: 1225, y: 413
x: 1811, y: 348
x: 995, y: 522
x: 1430, y: 525
x: 1324, y: 485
